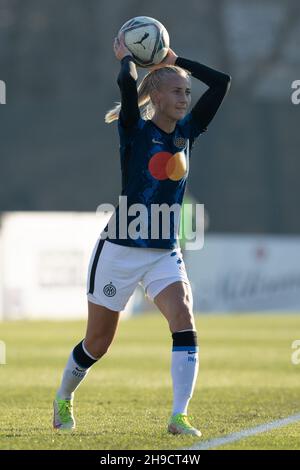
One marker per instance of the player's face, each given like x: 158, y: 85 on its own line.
x: 174, y: 97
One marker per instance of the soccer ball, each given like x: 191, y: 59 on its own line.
x: 147, y: 40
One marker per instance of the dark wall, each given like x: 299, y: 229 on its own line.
x: 56, y: 152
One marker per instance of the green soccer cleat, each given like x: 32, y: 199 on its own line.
x: 179, y: 424
x: 63, y: 418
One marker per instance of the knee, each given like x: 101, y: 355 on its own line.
x: 182, y: 318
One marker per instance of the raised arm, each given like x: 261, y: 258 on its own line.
x: 218, y: 82
x: 127, y: 80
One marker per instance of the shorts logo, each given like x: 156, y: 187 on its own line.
x: 180, y: 142
x: 109, y: 290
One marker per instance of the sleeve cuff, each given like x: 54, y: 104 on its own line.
x: 180, y: 61
x: 127, y: 58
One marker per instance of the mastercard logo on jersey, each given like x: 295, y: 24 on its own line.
x: 165, y: 165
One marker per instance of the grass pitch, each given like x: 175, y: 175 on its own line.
x: 246, y: 378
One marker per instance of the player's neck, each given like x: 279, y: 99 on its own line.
x: 166, y: 124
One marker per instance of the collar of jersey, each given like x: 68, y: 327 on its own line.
x: 161, y: 130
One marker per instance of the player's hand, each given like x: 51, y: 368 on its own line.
x: 120, y: 49
x: 170, y: 59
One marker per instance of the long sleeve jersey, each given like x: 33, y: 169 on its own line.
x: 155, y: 163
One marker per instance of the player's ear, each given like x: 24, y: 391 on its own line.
x: 155, y: 97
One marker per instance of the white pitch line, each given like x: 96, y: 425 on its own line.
x: 237, y: 436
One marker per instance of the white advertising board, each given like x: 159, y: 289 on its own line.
x: 246, y: 273
x: 44, y: 260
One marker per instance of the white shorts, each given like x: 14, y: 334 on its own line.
x: 115, y: 271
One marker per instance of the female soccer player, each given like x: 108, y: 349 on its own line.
x: 156, y: 136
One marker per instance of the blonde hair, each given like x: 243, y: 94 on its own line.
x: 150, y: 82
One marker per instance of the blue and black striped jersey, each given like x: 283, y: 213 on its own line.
x: 154, y: 163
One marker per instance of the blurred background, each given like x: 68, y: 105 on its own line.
x: 59, y: 161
